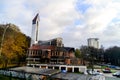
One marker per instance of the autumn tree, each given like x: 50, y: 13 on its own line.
x: 15, y: 45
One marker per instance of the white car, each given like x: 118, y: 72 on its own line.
x: 117, y: 74
x: 117, y: 68
x: 95, y: 72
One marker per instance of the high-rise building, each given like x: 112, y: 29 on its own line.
x: 35, y: 28
x: 93, y: 42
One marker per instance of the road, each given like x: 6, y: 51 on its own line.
x: 113, y: 78
x: 109, y: 76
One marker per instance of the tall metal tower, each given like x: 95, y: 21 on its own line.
x: 35, y: 28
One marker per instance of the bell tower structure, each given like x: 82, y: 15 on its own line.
x: 35, y: 29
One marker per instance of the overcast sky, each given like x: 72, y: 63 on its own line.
x: 73, y: 20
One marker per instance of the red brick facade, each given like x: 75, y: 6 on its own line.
x: 51, y: 52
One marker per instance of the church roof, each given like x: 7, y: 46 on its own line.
x: 38, y: 47
x: 35, y: 18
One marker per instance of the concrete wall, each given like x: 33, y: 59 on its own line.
x: 68, y: 68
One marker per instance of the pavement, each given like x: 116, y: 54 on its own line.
x: 109, y: 76
x: 113, y: 78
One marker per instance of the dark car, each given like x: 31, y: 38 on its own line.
x: 117, y: 74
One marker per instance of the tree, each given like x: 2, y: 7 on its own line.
x: 15, y: 45
x: 77, y: 53
x: 112, y: 55
x: 89, y: 54
x: 84, y: 53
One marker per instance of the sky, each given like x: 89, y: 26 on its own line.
x: 73, y: 20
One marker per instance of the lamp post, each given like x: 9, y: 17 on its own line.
x: 3, y: 36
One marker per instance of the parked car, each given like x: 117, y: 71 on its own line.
x: 112, y: 66
x: 107, y: 70
x: 95, y: 72
x: 63, y: 71
x: 117, y: 68
x: 117, y: 74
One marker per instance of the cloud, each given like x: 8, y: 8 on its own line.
x: 73, y: 20
x: 99, y: 15
x: 97, y: 19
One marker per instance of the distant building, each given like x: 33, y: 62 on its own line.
x: 93, y: 42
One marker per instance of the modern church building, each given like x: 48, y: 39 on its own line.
x: 49, y: 52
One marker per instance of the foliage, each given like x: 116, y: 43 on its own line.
x: 3, y: 77
x: 94, y: 56
x: 89, y: 55
x: 77, y: 53
x: 15, y: 45
x: 112, y: 55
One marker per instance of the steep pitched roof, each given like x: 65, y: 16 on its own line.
x: 35, y: 18
x: 39, y: 47
x: 69, y: 48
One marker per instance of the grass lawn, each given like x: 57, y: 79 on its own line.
x: 9, y: 65
x: 2, y: 77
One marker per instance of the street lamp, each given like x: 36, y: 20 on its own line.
x: 3, y: 36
